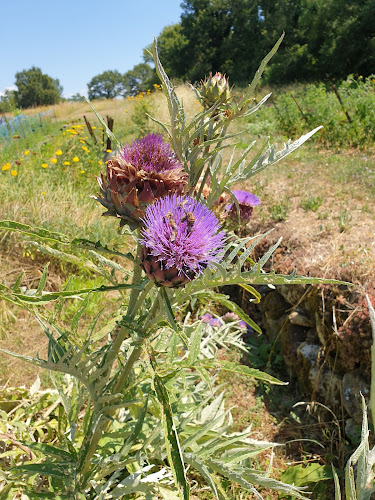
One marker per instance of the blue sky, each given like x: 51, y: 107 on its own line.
x: 76, y: 40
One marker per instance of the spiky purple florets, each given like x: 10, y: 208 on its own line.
x: 205, y: 318
x: 246, y: 202
x: 246, y: 198
x: 181, y: 234
x: 151, y: 154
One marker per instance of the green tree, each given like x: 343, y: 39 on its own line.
x: 8, y: 101
x: 214, y: 35
x: 139, y: 79
x: 77, y: 97
x: 36, y: 89
x: 107, y: 85
x: 172, y: 45
x: 324, y: 38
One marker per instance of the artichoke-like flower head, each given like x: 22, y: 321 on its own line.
x: 214, y: 88
x: 180, y: 238
x: 141, y: 173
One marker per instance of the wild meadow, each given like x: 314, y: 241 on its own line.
x: 319, y: 199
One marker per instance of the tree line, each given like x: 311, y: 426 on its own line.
x: 325, y: 39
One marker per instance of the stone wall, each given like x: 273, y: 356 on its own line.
x: 321, y: 340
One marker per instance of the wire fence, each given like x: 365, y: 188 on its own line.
x: 23, y: 125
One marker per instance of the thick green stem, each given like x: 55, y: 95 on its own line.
x: 134, y: 355
x: 137, y: 350
x: 136, y: 279
x: 112, y: 355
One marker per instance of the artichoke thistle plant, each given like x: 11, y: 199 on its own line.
x: 140, y: 415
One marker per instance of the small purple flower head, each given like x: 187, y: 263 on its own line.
x: 205, y: 318
x: 215, y: 322
x: 246, y: 202
x: 230, y: 316
x: 151, y: 154
x: 180, y: 239
x: 243, y: 324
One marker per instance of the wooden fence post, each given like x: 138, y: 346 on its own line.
x: 299, y: 107
x: 89, y: 128
x: 342, y: 104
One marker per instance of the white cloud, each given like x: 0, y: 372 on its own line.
x: 12, y: 87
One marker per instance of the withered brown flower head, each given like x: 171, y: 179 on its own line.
x: 143, y: 172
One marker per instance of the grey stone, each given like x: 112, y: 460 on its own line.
x: 292, y: 293
x: 354, y: 383
x: 300, y: 317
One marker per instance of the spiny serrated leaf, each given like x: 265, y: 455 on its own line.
x: 45, y: 234
x: 249, y: 372
x: 49, y: 297
x: 60, y: 470
x: 78, y: 314
x: 52, y: 451
x: 171, y: 440
x: 232, y: 306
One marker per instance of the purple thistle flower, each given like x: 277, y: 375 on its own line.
x: 230, y: 316
x: 205, y: 318
x: 215, y: 322
x: 246, y: 202
x: 143, y: 171
x: 243, y: 324
x: 180, y: 239
x: 151, y: 154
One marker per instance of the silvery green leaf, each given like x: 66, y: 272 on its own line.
x: 172, y: 442
x: 109, y: 132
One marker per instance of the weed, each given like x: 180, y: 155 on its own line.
x: 280, y: 211
x: 344, y: 219
x: 323, y: 215
x: 313, y: 203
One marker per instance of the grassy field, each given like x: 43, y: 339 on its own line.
x: 319, y: 199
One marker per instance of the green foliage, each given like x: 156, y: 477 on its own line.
x: 117, y: 383
x: 228, y: 36
x: 348, y: 123
x: 36, y: 89
x: 313, y: 203
x: 139, y: 79
x: 302, y: 475
x: 8, y: 102
x: 309, y: 56
x: 107, y: 85
x: 279, y: 211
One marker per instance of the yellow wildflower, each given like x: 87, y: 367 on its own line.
x: 14, y: 173
x: 58, y: 152
x: 6, y: 167
x: 108, y: 150
x: 44, y: 165
x: 85, y: 149
x: 75, y: 159
x: 27, y: 152
x: 100, y: 162
x: 67, y: 163
x: 54, y: 160
x: 43, y: 193
x: 82, y: 171
x: 93, y: 128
